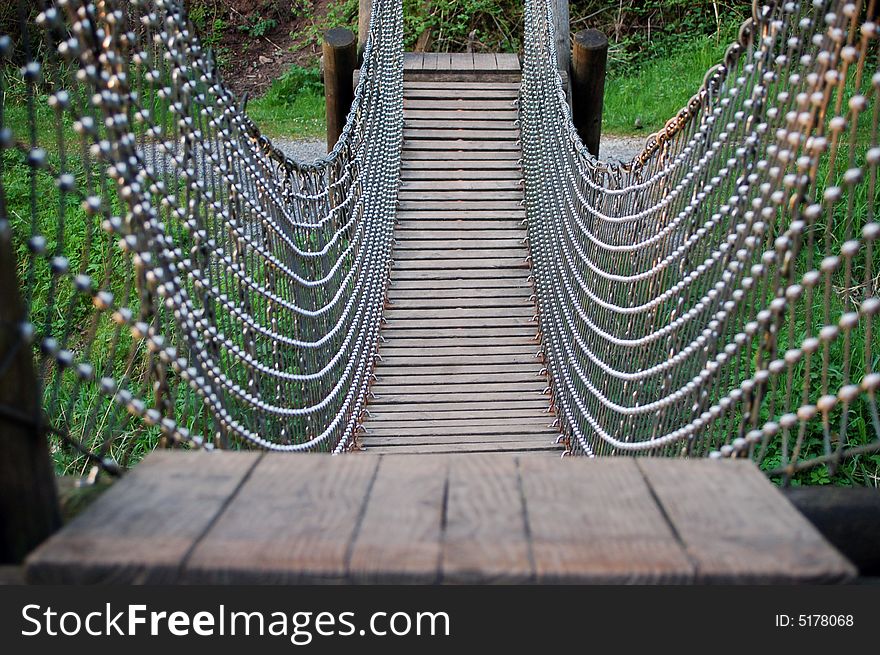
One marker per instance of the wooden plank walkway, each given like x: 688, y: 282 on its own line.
x: 459, y: 372
x: 227, y: 517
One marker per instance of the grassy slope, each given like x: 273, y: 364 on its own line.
x: 659, y: 88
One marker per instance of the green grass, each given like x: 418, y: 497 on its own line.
x: 659, y: 88
x: 293, y: 107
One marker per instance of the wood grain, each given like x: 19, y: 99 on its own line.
x: 399, y: 538
x: 141, y: 530
x: 737, y: 527
x: 597, y: 522
x: 290, y: 523
x: 486, y: 536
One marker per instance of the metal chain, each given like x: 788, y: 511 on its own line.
x: 717, y: 295
x: 234, y: 294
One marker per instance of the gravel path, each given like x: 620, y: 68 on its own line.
x: 623, y: 148
x: 302, y: 150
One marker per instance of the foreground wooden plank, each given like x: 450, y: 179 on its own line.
x: 144, y: 527
x: 486, y: 535
x: 291, y: 522
x: 399, y: 538
x: 737, y: 527
x: 484, y: 512
x: 608, y: 530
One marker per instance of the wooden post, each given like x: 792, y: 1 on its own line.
x: 588, y: 61
x: 28, y: 499
x: 365, y: 8
x: 561, y: 25
x: 848, y: 517
x: 340, y: 59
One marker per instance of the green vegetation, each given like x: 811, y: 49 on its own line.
x: 641, y: 101
x: 293, y: 107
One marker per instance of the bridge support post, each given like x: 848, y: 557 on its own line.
x: 848, y: 517
x: 588, y: 62
x: 340, y: 59
x: 365, y: 8
x: 29, y: 510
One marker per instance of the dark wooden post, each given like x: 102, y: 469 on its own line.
x: 588, y: 61
x: 848, y: 517
x: 365, y: 8
x: 28, y: 499
x: 340, y: 59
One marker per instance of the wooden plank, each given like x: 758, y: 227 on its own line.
x: 597, y: 522
x: 485, y: 353
x: 522, y: 311
x: 465, y: 222
x: 477, y: 436
x: 486, y: 536
x: 410, y: 236
x: 509, y: 76
x: 461, y: 175
x: 404, y: 250
x: 499, y: 284
x: 507, y: 61
x: 404, y: 241
x: 495, y: 136
x: 483, y: 403
x: 523, y: 379
x: 521, y: 346
x: 292, y: 522
x: 399, y: 538
x: 452, y: 391
x: 737, y: 527
x: 459, y: 114
x: 442, y: 92
x: 457, y: 433
x: 493, y: 198
x: 456, y: 104
x: 456, y: 264
x: 485, y: 61
x: 534, y: 422
x: 453, y: 364
x: 458, y: 448
x: 486, y: 395
x: 462, y: 61
x: 443, y: 145
x: 429, y: 62
x: 493, y: 322
x: 404, y: 385
x: 413, y: 60
x: 488, y: 302
x: 488, y: 335
x: 458, y: 156
x: 421, y: 413
x: 461, y: 254
x: 415, y: 83
x: 129, y: 536
x: 510, y: 184
x: 444, y: 61
x: 485, y: 123
x: 460, y: 164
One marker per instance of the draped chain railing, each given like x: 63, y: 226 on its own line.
x: 717, y: 296
x: 185, y: 281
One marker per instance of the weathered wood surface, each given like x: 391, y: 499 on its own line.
x: 144, y: 530
x: 228, y: 517
x: 459, y: 372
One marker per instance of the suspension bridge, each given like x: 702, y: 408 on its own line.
x: 458, y: 294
